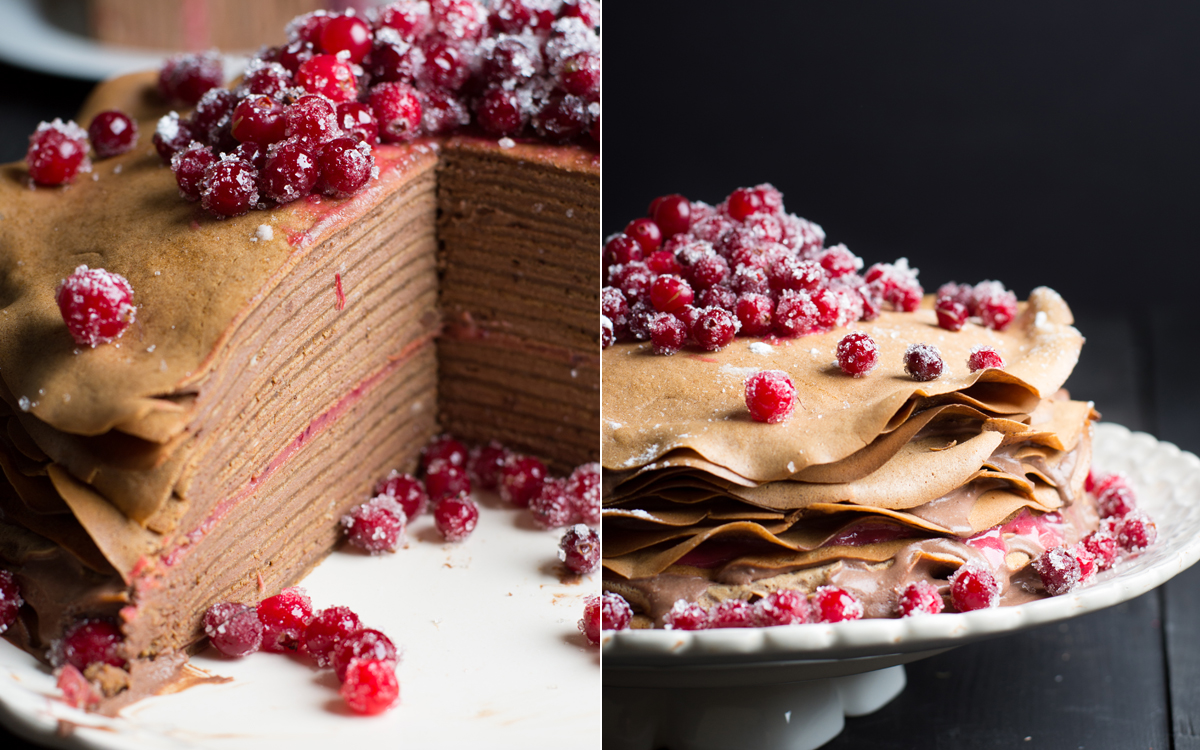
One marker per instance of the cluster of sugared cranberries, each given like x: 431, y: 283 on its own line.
x: 363, y: 659
x: 828, y: 604
x: 770, y: 396
x: 306, y: 115
x: 988, y: 301
x: 96, y: 305
x: 1124, y: 530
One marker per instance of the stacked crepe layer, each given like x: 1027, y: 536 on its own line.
x: 698, y: 499
x: 519, y: 360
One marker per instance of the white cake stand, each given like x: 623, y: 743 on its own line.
x: 791, y: 687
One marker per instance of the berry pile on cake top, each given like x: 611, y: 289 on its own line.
x: 691, y: 274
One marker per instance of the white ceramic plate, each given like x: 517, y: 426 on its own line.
x: 1167, y: 481
x: 492, y: 658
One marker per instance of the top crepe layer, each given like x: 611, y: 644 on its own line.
x: 696, y: 401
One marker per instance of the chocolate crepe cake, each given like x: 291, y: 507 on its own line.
x: 281, y: 362
x: 874, y: 485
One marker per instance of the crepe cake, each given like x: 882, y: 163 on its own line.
x: 280, y: 363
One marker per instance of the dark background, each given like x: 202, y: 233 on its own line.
x: 1035, y: 143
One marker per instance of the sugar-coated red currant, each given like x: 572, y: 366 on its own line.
x: 857, y: 353
x: 370, y: 686
x: 923, y: 362
x: 233, y: 629
x: 770, y: 396
x: 833, y: 604
x: 579, y: 549
x: 284, y: 618
x: 112, y: 133
x: 974, y: 586
x: 96, y: 305
x: 57, y: 152
x: 984, y: 358
x: 456, y: 517
x: 919, y: 598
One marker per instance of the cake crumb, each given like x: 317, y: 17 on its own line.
x: 506, y: 142
x: 264, y: 233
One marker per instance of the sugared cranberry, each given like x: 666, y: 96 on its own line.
x: 444, y: 448
x: 284, y: 618
x: 1061, y: 568
x: 984, y: 358
x: 509, y: 62
x: 646, y: 232
x: 923, y: 362
x: 456, y: 517
x: 520, y: 479
x: 796, y: 314
x: 258, y: 119
x: 10, y: 600
x: 328, y: 76
x: 397, y: 109
x: 579, y: 549
x: 633, y: 278
x: 708, y: 271
x: 510, y: 16
x: 408, y: 17
x: 254, y: 154
x: 754, y: 313
x: 294, y: 54
x: 112, y: 133
x: 832, y: 604
x: 186, y: 78
x: 212, y: 115
x: 770, y: 396
x: 951, y: 314
x: 57, y: 152
x: 715, y: 329
x: 370, y: 686
x: 170, y: 135
x: 1104, y: 548
x: 552, y: 508
x: 919, y: 598
x: 266, y: 78
x: 290, y: 171
x: 973, y: 586
x: 685, y: 615
x: 485, y: 464
x: 407, y: 491
x: 327, y: 630
x: 662, y: 262
x: 782, y: 607
x: 346, y: 165
x: 346, y: 34
x: 615, y: 612
x: 308, y: 27
x: 394, y: 60
x: 800, y: 275
x: 583, y: 490
x: 444, y: 479
x: 96, y: 305
x: 838, y: 261
x: 89, y: 641
x: 857, y: 353
x: 458, y: 20
x: 446, y: 67
x: 732, y: 613
x: 745, y: 202
x: 230, y: 188
x: 361, y: 644
x: 964, y: 294
x: 587, y: 11
x: 499, y: 113
x: 1136, y: 532
x: 592, y: 621
x: 355, y: 119
x: 1115, y: 498
x: 77, y: 690
x: 580, y: 76
x: 621, y: 249
x: 719, y: 296
x: 669, y: 293
x: 562, y: 117
x: 233, y: 629
x: 377, y: 525
x: 312, y: 118
x: 996, y: 305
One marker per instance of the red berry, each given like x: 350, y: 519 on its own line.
x: 745, y: 202
x: 783, y: 607
x: 838, y: 261
x: 446, y: 449
x: 715, y: 329
x: 349, y: 34
x: 409, y: 17
x: 754, y: 313
x: 397, y: 108
x: 1060, y: 569
x: 1136, y: 532
x: 579, y: 549
x: 485, y: 464
x: 647, y: 234
x: 552, y: 508
x: 592, y: 621
x: 561, y: 118
x: 370, y: 686
x: 857, y: 353
x: 294, y: 54
x: 509, y: 62
x: 520, y: 479
x: 89, y: 641
x: 580, y: 75
x: 456, y: 517
x: 996, y: 305
x: 407, y: 491
x: 284, y: 618
x: 77, y: 690
x: 669, y: 293
x: 230, y: 188
x: 499, y: 113
x: 587, y: 11
x: 290, y: 171
x: 10, y: 600
x: 377, y: 525
x: 254, y: 154
x: 96, y: 305
x: 685, y: 615
x: 171, y: 135
x: 770, y: 396
x: 722, y: 297
x: 212, y: 116
x: 308, y: 27
x: 346, y: 166
x: 583, y: 490
x: 327, y: 630
x: 112, y: 133
x: 615, y: 613
x: 361, y: 644
x: 57, y: 152
x: 442, y: 112
x: 446, y: 67
x: 984, y: 358
x: 732, y: 613
x: 510, y: 16
x: 458, y: 20
x: 800, y: 275
x: 973, y: 586
x: 964, y: 294
x: 233, y: 629
x: 1104, y: 548
x: 796, y: 314
x: 919, y: 598
x: 832, y: 604
x: 186, y: 78
x: 708, y: 271
x: 262, y: 77
x: 923, y: 362
x: 444, y: 479
x: 328, y: 76
x: 951, y: 314
x: 312, y: 118
x: 355, y: 119
x: 1115, y: 498
x: 258, y: 119
x: 622, y: 249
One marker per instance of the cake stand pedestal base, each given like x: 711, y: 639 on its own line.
x: 788, y: 716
